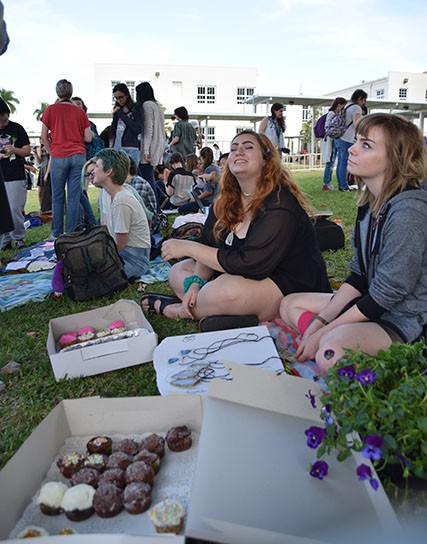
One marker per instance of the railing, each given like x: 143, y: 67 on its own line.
x: 300, y: 161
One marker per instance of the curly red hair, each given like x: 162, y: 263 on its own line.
x: 228, y: 206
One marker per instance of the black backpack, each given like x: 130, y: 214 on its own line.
x: 92, y: 265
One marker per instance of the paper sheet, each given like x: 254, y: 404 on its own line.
x: 188, y: 363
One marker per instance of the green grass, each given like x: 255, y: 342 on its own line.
x: 32, y: 392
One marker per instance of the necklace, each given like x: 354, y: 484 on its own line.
x: 247, y: 194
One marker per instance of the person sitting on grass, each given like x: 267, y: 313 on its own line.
x: 128, y: 221
x: 384, y: 300
x: 258, y: 243
x: 179, y: 183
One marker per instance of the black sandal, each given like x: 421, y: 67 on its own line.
x: 224, y: 322
x: 165, y: 300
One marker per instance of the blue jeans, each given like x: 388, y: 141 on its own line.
x: 66, y: 172
x: 343, y: 148
x: 87, y: 213
x: 329, y: 166
x: 137, y: 260
x: 146, y: 171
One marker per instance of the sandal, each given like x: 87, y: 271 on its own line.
x: 165, y: 300
x: 223, y: 322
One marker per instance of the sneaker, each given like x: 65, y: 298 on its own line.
x: 328, y: 188
x: 51, y: 238
x: 344, y: 188
x: 7, y: 245
x: 19, y: 244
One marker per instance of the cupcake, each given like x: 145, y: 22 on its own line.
x: 179, y: 438
x: 107, y: 501
x: 67, y: 531
x: 114, y: 476
x: 128, y: 446
x: 154, y: 443
x: 167, y: 516
x: 67, y: 339
x: 139, y: 472
x: 100, y: 444
x: 50, y: 498
x: 137, y: 497
x: 32, y: 530
x: 77, y: 503
x: 119, y: 459
x: 88, y: 476
x: 150, y: 458
x: 96, y: 460
x: 70, y: 463
x: 102, y: 333
x: 116, y: 327
x: 86, y: 333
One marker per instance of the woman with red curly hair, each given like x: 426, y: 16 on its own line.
x: 258, y: 243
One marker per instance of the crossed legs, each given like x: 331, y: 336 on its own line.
x: 368, y: 337
x: 225, y: 295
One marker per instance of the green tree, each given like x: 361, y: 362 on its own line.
x: 38, y: 112
x: 9, y: 99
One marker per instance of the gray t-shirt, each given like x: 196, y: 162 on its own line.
x: 127, y: 216
x: 354, y: 109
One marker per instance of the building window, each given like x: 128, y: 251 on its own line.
x: 131, y: 87
x: 426, y: 94
x: 380, y: 94
x: 403, y: 93
x: 243, y: 93
x: 305, y: 114
x: 205, y: 95
x: 241, y: 129
x: 209, y: 134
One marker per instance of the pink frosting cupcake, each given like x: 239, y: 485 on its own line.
x: 117, y: 326
x: 67, y: 339
x: 85, y: 333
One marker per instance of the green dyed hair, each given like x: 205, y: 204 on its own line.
x: 118, y: 161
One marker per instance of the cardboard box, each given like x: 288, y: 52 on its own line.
x: 251, y: 483
x: 92, y: 360
x: 21, y: 477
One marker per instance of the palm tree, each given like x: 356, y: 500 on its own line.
x: 38, y: 112
x: 9, y: 99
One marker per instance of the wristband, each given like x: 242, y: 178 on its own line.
x: 321, y: 319
x: 193, y: 279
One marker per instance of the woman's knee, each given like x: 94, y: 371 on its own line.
x: 178, y: 272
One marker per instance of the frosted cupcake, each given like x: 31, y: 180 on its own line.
x: 50, y: 498
x: 77, y: 502
x: 85, y: 333
x: 67, y: 339
x: 102, y: 333
x: 117, y: 326
x: 167, y: 516
x: 31, y: 531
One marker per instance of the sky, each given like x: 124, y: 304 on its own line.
x: 311, y: 47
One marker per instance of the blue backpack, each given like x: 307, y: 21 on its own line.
x: 319, y: 127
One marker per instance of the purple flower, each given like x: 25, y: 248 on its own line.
x: 312, y: 398
x: 372, y: 449
x: 319, y: 469
x: 364, y: 473
x: 315, y: 435
x: 326, y: 414
x: 403, y: 459
x: 346, y: 372
x: 366, y: 377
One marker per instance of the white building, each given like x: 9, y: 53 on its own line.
x: 204, y: 90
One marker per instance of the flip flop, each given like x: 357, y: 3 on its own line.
x: 165, y: 300
x: 223, y: 322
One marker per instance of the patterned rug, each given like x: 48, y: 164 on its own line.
x: 18, y: 289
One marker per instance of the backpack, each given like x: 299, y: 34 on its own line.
x: 188, y: 231
x: 319, y: 127
x: 337, y: 125
x: 92, y: 265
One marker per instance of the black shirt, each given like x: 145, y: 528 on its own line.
x: 280, y: 244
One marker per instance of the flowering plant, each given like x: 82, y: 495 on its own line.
x: 376, y: 405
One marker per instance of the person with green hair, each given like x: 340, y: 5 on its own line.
x: 128, y: 222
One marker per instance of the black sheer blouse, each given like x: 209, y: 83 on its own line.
x: 280, y: 244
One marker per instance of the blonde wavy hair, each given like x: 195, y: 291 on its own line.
x: 406, y: 153
x: 228, y: 206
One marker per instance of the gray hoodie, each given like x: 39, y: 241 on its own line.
x: 392, y: 275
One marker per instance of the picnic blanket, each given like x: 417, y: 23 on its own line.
x: 18, y: 289
x: 40, y: 256
x: 157, y: 271
x: 286, y: 340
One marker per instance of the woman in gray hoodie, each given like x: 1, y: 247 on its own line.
x: 384, y: 299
